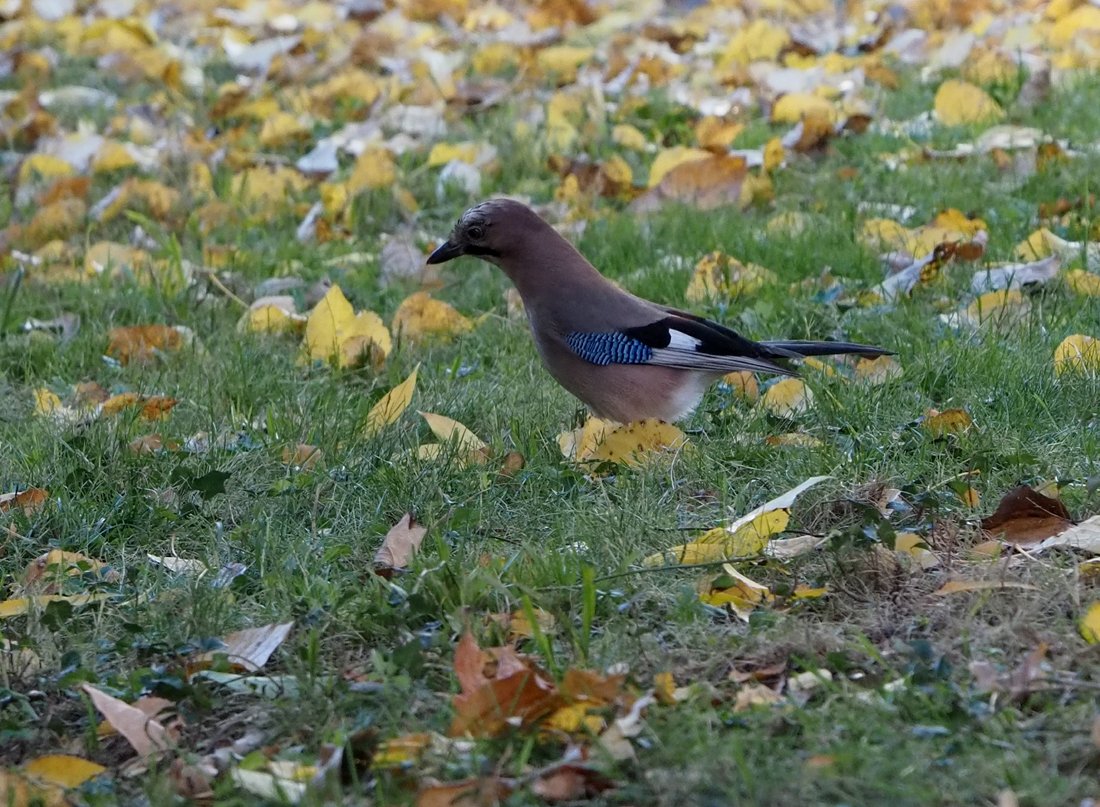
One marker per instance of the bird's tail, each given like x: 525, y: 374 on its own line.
x: 796, y: 347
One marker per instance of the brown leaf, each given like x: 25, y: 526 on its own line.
x: 706, y: 184
x: 1026, y: 516
x: 144, y: 734
x: 518, y: 700
x: 570, y: 782
x: 486, y: 792
x: 400, y: 545
x: 30, y: 501
x: 142, y: 343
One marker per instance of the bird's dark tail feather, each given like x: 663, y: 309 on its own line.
x: 801, y: 348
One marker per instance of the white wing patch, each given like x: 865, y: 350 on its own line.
x: 681, y: 341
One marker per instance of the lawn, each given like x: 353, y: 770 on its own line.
x: 226, y: 480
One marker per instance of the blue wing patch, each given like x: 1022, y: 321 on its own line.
x: 609, y: 348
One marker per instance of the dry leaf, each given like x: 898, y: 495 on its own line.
x: 1025, y: 516
x: 962, y: 586
x: 706, y: 183
x: 788, y: 398
x: 1077, y: 354
x: 251, y: 648
x: 745, y: 537
x: 1090, y: 624
x: 391, y: 406
x: 1084, y: 536
x: 960, y: 102
x: 951, y: 421
x: 144, y: 734
x: 399, y: 546
x: 30, y: 500
x: 421, y: 317
x: 143, y: 343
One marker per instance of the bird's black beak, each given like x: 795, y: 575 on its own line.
x: 445, y: 252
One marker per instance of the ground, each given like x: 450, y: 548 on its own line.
x: 902, y: 714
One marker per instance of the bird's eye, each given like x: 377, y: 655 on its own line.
x: 475, y: 233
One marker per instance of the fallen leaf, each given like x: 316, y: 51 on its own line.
x: 144, y: 734
x: 63, y: 770
x: 753, y: 696
x: 570, y: 782
x: 484, y: 792
x: 745, y: 537
x: 334, y: 331
x: 1077, y: 354
x: 633, y: 444
x: 421, y: 317
x: 881, y: 370
x: 1090, y: 624
x: 963, y: 586
x: 22, y: 605
x: 788, y: 398
x: 143, y: 343
x: 951, y: 421
x: 1016, y: 275
x: 705, y: 183
x: 958, y: 103
x: 1084, y: 536
x: 399, y: 546
x: 735, y: 591
x: 252, y: 647
x: 391, y: 406
x: 1025, y: 516
x: 301, y: 455
x: 720, y: 276
x: 29, y: 501
x: 268, y: 786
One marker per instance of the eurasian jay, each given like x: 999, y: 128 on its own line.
x: 625, y: 357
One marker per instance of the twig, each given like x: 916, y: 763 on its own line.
x: 216, y: 282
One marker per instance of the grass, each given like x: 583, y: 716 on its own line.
x: 902, y: 719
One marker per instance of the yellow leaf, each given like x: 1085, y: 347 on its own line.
x: 629, y: 137
x: 112, y: 156
x: 758, y: 41
x: 46, y: 402
x: 788, y: 398
x: 443, y: 153
x: 373, y: 169
x: 62, y: 769
x: 271, y: 315
x: 451, y: 431
x: 877, y: 371
x: 950, y: 421
x: 1077, y: 354
x: 1035, y: 246
x: 17, y: 790
x: 959, y: 103
x: 912, y: 545
x: 577, y: 717
x: 391, y: 405
x: 22, y: 605
x: 58, y: 219
x: 420, y: 317
x: 266, y: 188
x: 632, y: 444
x: 745, y: 537
x: 714, y: 133
x: 563, y: 61
x: 740, y: 593
x: 562, y: 111
x: 44, y: 166
x: 1004, y: 307
x: 579, y: 444
x: 718, y: 275
x: 117, y: 257
x: 1084, y: 18
x: 744, y: 385
x: 283, y: 128
x: 1084, y: 283
x: 962, y: 586
x: 670, y: 158
x: 794, y: 106
x: 334, y: 329
x: 1090, y: 624
x: 773, y: 154
x: 29, y: 500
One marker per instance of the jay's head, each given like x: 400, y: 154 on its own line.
x: 492, y: 231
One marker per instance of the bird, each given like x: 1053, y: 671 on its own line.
x: 626, y: 358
